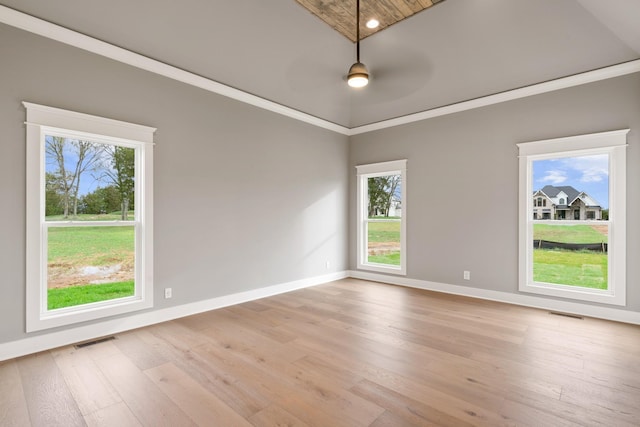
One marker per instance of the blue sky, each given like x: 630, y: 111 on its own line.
x: 585, y: 173
x: 88, y: 181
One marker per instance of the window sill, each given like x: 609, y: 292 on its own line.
x: 574, y: 293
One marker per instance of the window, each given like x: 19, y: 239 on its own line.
x: 582, y: 256
x: 89, y: 217
x: 382, y: 209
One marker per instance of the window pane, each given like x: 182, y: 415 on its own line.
x: 575, y: 189
x: 575, y: 255
x: 385, y: 196
x: 385, y: 202
x: 88, y: 181
x: 383, y: 242
x: 571, y: 188
x: 89, y: 264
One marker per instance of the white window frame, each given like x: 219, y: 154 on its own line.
x: 614, y: 144
x: 42, y: 121
x: 364, y: 172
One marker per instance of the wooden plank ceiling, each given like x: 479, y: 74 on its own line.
x: 341, y: 14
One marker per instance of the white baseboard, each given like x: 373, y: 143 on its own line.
x: 597, y: 311
x: 73, y: 335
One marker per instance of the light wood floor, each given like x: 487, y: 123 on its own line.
x: 348, y: 353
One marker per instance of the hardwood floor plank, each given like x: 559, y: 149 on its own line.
x: 228, y: 333
x: 147, y: 403
x: 143, y: 355
x: 116, y: 415
x: 48, y: 398
x: 529, y: 416
x: 202, y: 406
x: 176, y: 335
x: 406, y: 410
x: 274, y: 415
x: 198, y: 321
x: 90, y: 389
x: 304, y: 395
x: 320, y: 368
x: 211, y: 375
x: 258, y: 322
x: 388, y: 419
x: 13, y: 405
x: 383, y: 374
x: 619, y: 405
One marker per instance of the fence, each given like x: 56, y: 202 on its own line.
x: 596, y: 247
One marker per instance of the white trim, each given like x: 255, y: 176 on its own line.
x: 55, y: 32
x: 34, y: 344
x: 364, y: 172
x: 577, y: 142
x: 42, y: 121
x: 612, y: 143
x: 509, y: 95
x: 599, y: 312
x: 381, y: 168
x: 73, y: 121
x: 64, y: 35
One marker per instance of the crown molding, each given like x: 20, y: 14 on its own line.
x: 55, y: 32
x: 509, y: 95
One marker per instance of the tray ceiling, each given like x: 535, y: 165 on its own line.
x: 341, y: 15
x: 281, y: 53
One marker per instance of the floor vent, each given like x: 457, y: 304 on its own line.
x: 94, y: 342
x: 573, y: 316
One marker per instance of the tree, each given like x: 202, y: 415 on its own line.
x: 72, y: 158
x: 53, y: 199
x: 382, y: 193
x: 122, y: 175
x: 63, y: 181
x: 89, y: 154
x: 102, y: 200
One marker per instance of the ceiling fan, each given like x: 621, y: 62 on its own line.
x: 358, y: 74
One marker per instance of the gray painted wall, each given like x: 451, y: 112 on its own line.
x: 271, y: 196
x: 462, y: 179
x: 267, y: 195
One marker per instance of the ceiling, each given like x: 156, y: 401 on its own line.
x: 456, y: 51
x: 341, y: 15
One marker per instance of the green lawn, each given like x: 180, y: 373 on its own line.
x: 568, y: 233
x: 387, y: 234
x: 586, y: 269
x: 384, y: 232
x: 583, y: 268
x: 71, y: 250
x: 82, y: 246
x: 391, y: 258
x: 85, y: 294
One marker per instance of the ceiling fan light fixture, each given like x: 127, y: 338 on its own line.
x: 358, y: 75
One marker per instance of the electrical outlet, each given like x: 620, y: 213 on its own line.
x: 467, y: 275
x: 168, y: 293
x: 328, y: 264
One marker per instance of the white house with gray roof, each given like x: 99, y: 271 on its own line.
x: 564, y: 202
